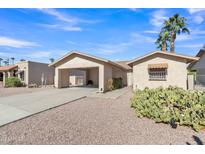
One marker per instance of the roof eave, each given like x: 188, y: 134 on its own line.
x: 189, y: 59
x: 79, y: 53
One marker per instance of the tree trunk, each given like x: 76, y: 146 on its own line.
x: 164, y: 47
x: 173, y: 37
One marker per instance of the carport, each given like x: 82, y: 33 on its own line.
x: 6, y: 72
x: 79, y: 77
x: 79, y: 69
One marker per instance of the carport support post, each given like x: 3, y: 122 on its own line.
x: 101, y: 79
x: 190, y: 79
x: 57, y: 78
x: 4, y: 78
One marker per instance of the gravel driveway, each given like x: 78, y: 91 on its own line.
x: 95, y: 121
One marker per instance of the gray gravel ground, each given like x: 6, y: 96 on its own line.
x: 95, y: 121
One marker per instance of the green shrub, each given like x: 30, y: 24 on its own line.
x: 170, y: 105
x: 13, y: 82
x: 110, y: 84
x: 114, y: 83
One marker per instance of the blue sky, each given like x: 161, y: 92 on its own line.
x: 115, y: 34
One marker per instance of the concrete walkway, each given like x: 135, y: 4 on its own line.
x: 16, y: 107
x: 111, y: 94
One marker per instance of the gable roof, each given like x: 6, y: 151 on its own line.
x: 8, y: 68
x: 86, y: 55
x: 124, y: 64
x: 199, y: 54
x: 188, y: 58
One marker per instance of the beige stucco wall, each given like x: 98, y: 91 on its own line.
x: 129, y: 78
x: 200, y: 70
x: 93, y: 74
x: 24, y: 66
x: 34, y: 72
x: 107, y: 75
x: 39, y: 70
x: 116, y: 73
x: 176, y: 72
x: 80, y: 62
x: 64, y: 80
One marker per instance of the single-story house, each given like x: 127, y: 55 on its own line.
x: 199, y: 67
x: 160, y: 69
x: 7, y: 71
x: 80, y: 69
x: 29, y: 73
x: 152, y: 70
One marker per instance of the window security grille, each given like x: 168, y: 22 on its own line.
x: 157, y: 74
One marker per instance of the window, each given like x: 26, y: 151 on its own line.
x: 158, y: 74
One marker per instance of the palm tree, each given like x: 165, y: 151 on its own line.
x: 175, y: 25
x: 0, y: 61
x: 52, y: 60
x: 12, y: 58
x: 5, y: 62
x: 162, y: 41
x: 22, y: 60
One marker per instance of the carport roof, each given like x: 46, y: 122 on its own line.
x: 7, y: 68
x: 87, y: 55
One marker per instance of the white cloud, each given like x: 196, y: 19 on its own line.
x: 109, y: 48
x: 58, y: 15
x: 193, y: 36
x: 195, y: 10
x: 72, y: 28
x: 66, y: 17
x: 197, y: 19
x: 67, y: 22
x: 15, y: 43
x: 151, y: 31
x: 114, y: 48
x: 62, y: 27
x: 191, y: 45
x: 197, y: 15
x: 184, y: 37
x: 134, y: 9
x: 71, y: 42
x: 198, y: 31
x: 41, y: 54
x: 158, y: 17
x: 142, y: 38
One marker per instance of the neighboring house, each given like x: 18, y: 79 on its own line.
x: 199, y: 67
x: 29, y: 72
x: 7, y: 71
x: 80, y: 69
x: 160, y: 69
